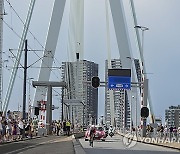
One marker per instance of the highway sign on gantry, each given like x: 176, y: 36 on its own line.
x: 119, y: 79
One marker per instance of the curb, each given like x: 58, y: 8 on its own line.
x: 77, y: 146
x: 167, y: 146
x: 25, y: 139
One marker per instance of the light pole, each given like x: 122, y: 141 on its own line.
x: 143, y: 78
x: 143, y: 29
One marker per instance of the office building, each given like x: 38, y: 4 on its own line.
x: 76, y: 74
x: 172, y: 116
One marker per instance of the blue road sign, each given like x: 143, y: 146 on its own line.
x: 119, y: 79
x: 119, y: 82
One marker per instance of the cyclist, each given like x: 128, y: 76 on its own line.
x: 92, y: 132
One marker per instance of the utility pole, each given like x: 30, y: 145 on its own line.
x: 25, y: 78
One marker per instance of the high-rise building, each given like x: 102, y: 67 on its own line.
x: 121, y: 104
x: 76, y: 74
x: 138, y: 69
x: 172, y: 116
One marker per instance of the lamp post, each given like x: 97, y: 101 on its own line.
x: 143, y: 78
x: 143, y: 29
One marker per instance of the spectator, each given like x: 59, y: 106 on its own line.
x: 161, y: 130
x: 4, y: 123
x: 68, y: 126
x: 58, y: 127
x: 1, y: 129
x: 21, y: 128
x: 175, y: 131
x: 9, y: 130
x: 28, y: 130
x: 165, y: 131
x: 171, y: 131
x: 34, y: 126
x: 14, y: 130
x: 178, y: 131
x: 64, y: 126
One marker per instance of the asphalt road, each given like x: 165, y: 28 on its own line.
x: 115, y: 145
x: 44, y: 145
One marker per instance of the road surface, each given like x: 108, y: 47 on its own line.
x: 115, y: 145
x: 44, y: 145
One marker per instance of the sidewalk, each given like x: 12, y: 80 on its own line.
x: 17, y: 140
x: 147, y: 140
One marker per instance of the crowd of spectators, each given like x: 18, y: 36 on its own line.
x: 162, y: 131
x: 14, y: 128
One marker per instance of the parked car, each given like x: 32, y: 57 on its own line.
x: 99, y: 134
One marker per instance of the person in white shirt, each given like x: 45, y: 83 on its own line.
x: 9, y: 130
x: 21, y: 128
x: 178, y: 132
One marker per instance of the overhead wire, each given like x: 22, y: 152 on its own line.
x: 32, y: 35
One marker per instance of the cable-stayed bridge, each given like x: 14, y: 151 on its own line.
x: 113, y: 9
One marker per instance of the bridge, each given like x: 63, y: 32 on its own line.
x: 78, y: 98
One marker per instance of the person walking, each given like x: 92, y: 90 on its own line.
x: 68, y: 126
x: 21, y: 128
x: 64, y: 126
x: 58, y: 127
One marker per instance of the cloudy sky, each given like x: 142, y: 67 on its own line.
x: 161, y: 45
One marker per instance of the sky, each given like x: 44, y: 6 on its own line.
x: 161, y: 45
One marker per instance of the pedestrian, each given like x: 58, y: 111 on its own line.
x: 175, y: 132
x: 4, y: 123
x: 161, y: 130
x: 21, y: 128
x: 35, y: 126
x: 68, y: 126
x: 64, y: 126
x: 1, y: 130
x: 28, y: 130
x: 58, y: 127
x: 171, y: 132
x: 14, y: 129
x: 178, y: 132
x: 9, y: 130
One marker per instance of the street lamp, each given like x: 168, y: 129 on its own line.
x: 143, y: 29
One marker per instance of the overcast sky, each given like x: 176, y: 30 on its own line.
x: 161, y: 45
